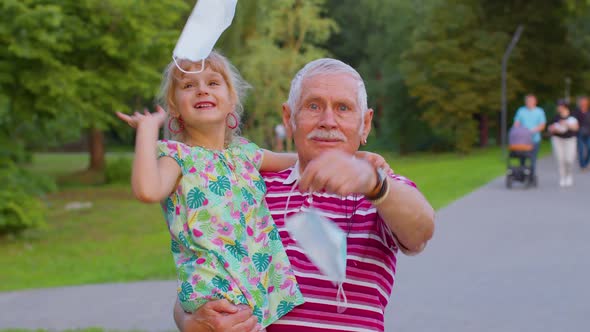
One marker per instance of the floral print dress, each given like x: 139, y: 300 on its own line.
x: 224, y: 241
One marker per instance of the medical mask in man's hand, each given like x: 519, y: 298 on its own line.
x: 323, y: 242
x: 203, y: 28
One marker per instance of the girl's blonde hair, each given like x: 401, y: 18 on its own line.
x: 216, y: 62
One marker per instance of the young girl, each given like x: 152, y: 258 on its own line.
x: 224, y: 241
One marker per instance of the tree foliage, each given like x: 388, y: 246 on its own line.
x: 431, y: 67
x: 81, y: 60
x: 453, y: 69
x: 277, y: 41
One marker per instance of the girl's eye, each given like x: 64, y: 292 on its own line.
x: 187, y: 86
x: 213, y: 83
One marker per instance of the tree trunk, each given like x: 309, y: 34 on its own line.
x: 96, y: 149
x: 483, y: 130
x: 499, y: 129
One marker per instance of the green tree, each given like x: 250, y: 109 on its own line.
x: 453, y: 69
x: 372, y: 38
x: 547, y: 56
x: 278, y: 40
x: 83, y: 60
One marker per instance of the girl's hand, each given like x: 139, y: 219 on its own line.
x: 374, y: 159
x: 137, y: 119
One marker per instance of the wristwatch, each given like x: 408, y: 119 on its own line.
x: 380, y: 189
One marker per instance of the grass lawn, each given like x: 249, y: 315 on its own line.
x: 117, y: 239
x: 445, y: 177
x: 120, y: 239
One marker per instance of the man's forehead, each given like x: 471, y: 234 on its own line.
x: 323, y: 85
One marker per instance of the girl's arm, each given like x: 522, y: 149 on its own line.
x: 274, y: 162
x: 152, y: 179
x: 374, y: 159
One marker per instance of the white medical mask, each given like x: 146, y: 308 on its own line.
x: 323, y: 242
x: 203, y: 28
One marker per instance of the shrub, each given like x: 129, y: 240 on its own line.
x: 118, y: 170
x: 20, y: 205
x: 19, y: 211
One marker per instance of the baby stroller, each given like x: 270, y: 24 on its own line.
x: 520, y: 147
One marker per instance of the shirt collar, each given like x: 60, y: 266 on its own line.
x: 295, y: 174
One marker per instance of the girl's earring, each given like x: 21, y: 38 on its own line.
x: 231, y: 120
x: 179, y: 125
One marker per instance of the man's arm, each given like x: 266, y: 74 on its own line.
x: 405, y: 211
x: 216, y: 316
x: 408, y: 215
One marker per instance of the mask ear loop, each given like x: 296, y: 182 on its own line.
x: 186, y: 71
x: 341, y: 299
x: 288, y: 199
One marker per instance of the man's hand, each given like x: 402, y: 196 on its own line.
x: 216, y: 316
x: 137, y: 119
x: 339, y: 173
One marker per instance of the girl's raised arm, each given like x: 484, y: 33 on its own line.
x: 152, y: 179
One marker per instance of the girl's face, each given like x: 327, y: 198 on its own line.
x: 202, y: 99
x: 563, y: 111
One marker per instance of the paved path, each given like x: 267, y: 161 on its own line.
x: 500, y: 261
x: 145, y: 306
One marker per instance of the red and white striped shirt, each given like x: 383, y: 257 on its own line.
x: 370, y: 263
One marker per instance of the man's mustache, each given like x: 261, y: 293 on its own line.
x: 327, y: 134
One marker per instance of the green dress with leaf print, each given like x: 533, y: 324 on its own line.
x: 224, y: 241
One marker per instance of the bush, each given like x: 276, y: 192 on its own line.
x: 20, y: 211
x: 118, y: 170
x: 20, y: 205
x: 14, y: 151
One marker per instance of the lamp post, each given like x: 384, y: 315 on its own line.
x: 515, y: 38
x: 568, y: 83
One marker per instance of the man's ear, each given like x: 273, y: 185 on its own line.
x: 287, y: 121
x: 367, y: 123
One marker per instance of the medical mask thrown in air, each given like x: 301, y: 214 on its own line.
x: 202, y: 30
x: 323, y: 242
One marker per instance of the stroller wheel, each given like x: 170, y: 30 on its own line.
x: 509, y: 182
x: 531, y: 181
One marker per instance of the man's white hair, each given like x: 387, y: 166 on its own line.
x: 319, y: 67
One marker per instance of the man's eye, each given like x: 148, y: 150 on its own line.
x: 314, y: 106
x: 343, y: 108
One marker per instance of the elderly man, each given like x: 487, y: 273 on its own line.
x: 328, y: 118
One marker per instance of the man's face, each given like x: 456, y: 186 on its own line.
x: 583, y: 103
x: 531, y: 102
x: 328, y: 116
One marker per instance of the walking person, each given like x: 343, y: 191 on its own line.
x: 583, y: 117
x: 280, y: 136
x: 563, y: 129
x: 533, y: 118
